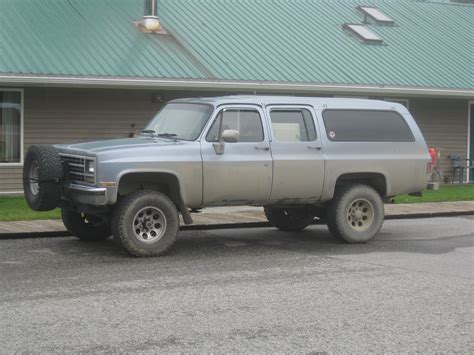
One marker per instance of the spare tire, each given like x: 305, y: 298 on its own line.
x: 42, y: 174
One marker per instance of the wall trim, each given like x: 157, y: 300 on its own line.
x: 6, y: 193
x: 469, y: 124
x: 155, y: 83
x: 22, y: 127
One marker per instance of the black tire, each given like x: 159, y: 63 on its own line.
x: 145, y: 223
x: 289, y: 219
x: 355, y: 214
x: 42, y: 163
x: 85, y: 227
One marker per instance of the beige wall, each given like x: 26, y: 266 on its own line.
x: 54, y: 115
x: 444, y: 125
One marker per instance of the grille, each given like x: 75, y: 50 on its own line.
x: 76, y: 169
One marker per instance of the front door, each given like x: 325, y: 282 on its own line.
x: 298, y: 162
x: 240, y: 172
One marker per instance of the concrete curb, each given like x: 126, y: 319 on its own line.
x: 197, y: 227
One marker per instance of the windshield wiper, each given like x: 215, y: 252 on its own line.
x: 161, y: 135
x: 168, y: 135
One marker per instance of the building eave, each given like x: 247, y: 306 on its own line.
x: 230, y: 85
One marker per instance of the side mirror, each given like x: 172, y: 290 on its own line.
x: 230, y: 136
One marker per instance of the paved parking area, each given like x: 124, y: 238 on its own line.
x: 246, y: 290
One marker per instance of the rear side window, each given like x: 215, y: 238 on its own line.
x: 293, y: 125
x: 366, y: 126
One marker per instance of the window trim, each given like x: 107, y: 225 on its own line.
x: 22, y: 128
x: 294, y: 108
x: 398, y: 101
x: 367, y: 141
x: 389, y: 21
x: 351, y: 28
x: 219, y: 109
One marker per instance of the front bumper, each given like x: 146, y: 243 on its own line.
x: 87, y: 195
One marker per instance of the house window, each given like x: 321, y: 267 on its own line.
x: 10, y: 127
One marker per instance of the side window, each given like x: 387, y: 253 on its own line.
x: 366, y: 125
x: 293, y: 125
x: 246, y: 121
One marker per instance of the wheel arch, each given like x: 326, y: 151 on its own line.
x: 378, y: 181
x: 165, y: 182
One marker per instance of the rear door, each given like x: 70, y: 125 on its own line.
x: 242, y: 173
x: 298, y: 162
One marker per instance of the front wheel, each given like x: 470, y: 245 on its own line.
x: 356, y: 214
x: 289, y: 219
x: 86, y: 227
x: 145, y: 223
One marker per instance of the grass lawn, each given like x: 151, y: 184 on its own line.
x: 445, y: 193
x: 16, y: 209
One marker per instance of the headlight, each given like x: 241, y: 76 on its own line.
x: 90, y: 167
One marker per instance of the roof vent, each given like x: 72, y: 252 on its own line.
x: 151, y: 22
x: 375, y: 16
x: 362, y: 33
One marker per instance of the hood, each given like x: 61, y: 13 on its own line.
x: 95, y: 147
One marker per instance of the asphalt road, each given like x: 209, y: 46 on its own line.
x: 255, y: 290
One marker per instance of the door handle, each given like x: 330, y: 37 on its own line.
x: 314, y: 147
x: 260, y: 147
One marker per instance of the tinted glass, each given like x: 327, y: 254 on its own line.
x: 366, y: 125
x: 294, y: 125
x: 247, y: 122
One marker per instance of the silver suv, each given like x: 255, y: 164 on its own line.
x: 301, y: 158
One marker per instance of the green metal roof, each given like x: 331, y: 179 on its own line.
x: 297, y: 41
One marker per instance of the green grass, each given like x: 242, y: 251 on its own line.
x: 445, y: 193
x: 16, y: 209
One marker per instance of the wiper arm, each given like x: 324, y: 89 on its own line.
x: 161, y: 135
x: 151, y: 131
x: 168, y: 135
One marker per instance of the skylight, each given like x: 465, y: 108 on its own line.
x: 362, y: 33
x: 376, y: 15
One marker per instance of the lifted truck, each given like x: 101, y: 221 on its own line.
x: 300, y: 158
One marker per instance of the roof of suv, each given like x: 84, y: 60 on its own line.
x: 317, y: 102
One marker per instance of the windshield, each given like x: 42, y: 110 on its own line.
x: 180, y: 121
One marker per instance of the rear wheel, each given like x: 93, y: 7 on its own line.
x: 356, y: 214
x: 145, y: 223
x: 289, y: 219
x: 86, y: 227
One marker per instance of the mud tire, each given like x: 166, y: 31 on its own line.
x: 343, y: 224
x: 42, y: 162
x: 86, y: 228
x: 125, y: 216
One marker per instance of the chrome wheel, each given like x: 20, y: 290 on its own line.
x: 149, y: 224
x: 360, y: 215
x: 33, y: 176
